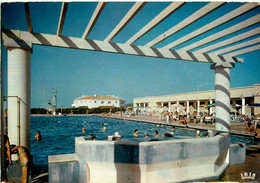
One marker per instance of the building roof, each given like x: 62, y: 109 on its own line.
x: 98, y: 97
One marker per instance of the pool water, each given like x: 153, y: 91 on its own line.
x: 58, y: 134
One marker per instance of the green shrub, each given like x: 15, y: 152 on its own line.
x: 80, y: 110
x: 38, y: 111
x: 85, y: 110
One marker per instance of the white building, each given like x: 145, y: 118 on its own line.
x: 194, y: 101
x: 98, y: 101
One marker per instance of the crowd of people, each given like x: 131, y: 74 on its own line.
x: 157, y: 135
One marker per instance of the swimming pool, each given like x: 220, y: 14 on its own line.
x: 58, y: 134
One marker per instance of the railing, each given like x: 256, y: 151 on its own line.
x: 18, y: 117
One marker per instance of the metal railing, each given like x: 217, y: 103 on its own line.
x: 18, y: 117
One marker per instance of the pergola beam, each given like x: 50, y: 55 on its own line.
x: 154, y: 22
x: 251, y: 21
x: 102, y: 46
x: 63, y: 13
x: 229, y: 41
x: 225, y: 18
x: 236, y: 47
x: 242, y: 51
x: 186, y: 22
x: 94, y: 18
x: 127, y: 18
x: 28, y: 17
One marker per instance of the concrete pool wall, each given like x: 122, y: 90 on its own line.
x: 153, y: 161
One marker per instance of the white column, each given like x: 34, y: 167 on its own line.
x: 2, y: 145
x: 222, y: 94
x: 135, y: 104
x: 178, y: 110
x: 243, y: 106
x: 188, y: 107
x: 162, y: 106
x: 198, y: 106
x: 210, y: 109
x: 19, y: 92
x: 144, y: 107
x: 169, y: 104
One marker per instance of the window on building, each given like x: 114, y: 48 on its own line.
x: 102, y: 102
x: 115, y: 101
x: 109, y: 102
x: 95, y: 101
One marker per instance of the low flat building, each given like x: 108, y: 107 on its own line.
x: 98, y: 101
x: 241, y: 98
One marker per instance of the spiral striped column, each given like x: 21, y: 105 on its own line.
x: 222, y: 96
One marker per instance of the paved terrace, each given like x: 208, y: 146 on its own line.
x: 238, y: 128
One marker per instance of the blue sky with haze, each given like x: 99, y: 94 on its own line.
x: 74, y: 73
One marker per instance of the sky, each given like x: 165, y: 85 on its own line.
x: 74, y: 73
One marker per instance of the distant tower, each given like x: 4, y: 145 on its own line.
x: 54, y: 102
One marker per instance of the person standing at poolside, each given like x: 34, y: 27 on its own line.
x: 136, y: 133
x: 156, y: 133
x: 250, y: 128
x: 25, y: 161
x: 7, y: 151
x: 257, y: 134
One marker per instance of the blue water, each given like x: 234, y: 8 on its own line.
x: 58, y: 134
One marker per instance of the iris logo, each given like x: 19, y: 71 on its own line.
x: 248, y: 175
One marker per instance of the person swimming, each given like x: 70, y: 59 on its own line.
x: 147, y: 135
x: 198, y: 133
x: 38, y: 136
x: 90, y: 136
x: 156, y: 133
x: 206, y: 135
x: 136, y: 133
x: 102, y: 122
x: 83, y: 130
x: 104, y: 129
